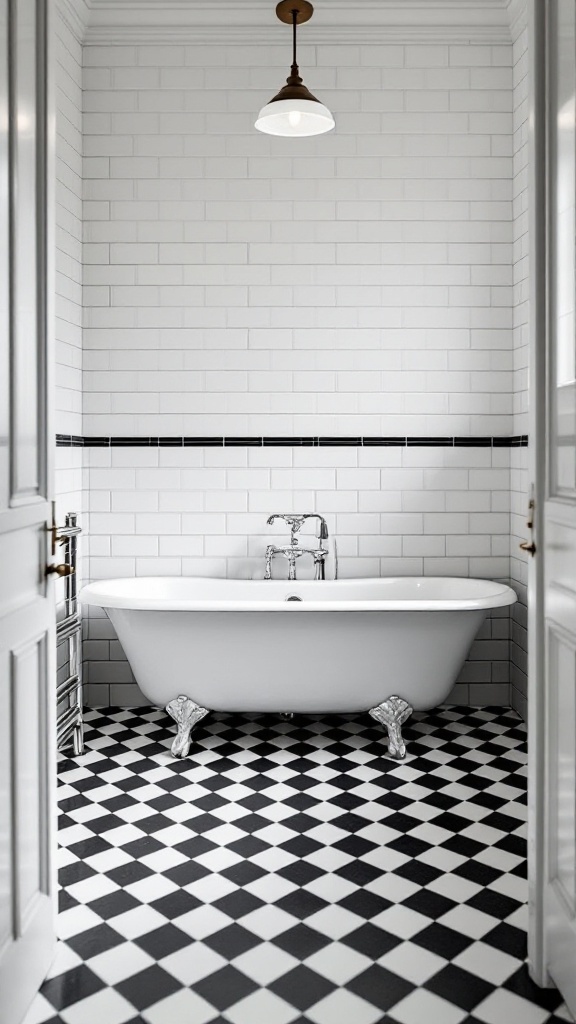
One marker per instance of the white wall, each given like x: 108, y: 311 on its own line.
x: 69, y: 464
x: 519, y: 456
x: 68, y: 237
x: 358, y: 284
x: 69, y: 483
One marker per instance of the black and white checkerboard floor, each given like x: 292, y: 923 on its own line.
x: 288, y: 872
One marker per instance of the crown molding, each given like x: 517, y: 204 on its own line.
x: 75, y: 14
x: 518, y: 17
x: 335, y: 21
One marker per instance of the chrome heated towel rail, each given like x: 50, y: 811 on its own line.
x: 69, y: 717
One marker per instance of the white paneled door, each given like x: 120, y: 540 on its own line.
x: 27, y: 896
x: 553, y: 669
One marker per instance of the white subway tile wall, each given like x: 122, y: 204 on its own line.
x: 69, y: 482
x: 519, y: 482
x: 356, y: 284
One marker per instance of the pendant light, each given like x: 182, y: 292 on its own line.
x: 294, y: 111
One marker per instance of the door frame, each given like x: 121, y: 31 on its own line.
x: 541, y: 751
x: 538, y: 297
x: 26, y: 972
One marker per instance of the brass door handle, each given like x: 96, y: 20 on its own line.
x: 528, y: 546
x: 60, y: 570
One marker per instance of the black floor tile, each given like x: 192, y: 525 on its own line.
x: 212, y: 938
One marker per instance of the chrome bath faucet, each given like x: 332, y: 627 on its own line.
x: 292, y: 551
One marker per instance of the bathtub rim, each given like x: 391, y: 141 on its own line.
x: 96, y: 595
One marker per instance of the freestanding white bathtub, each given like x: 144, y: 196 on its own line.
x: 387, y: 646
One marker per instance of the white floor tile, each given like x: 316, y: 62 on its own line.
x: 162, y: 860
x: 511, y: 885
x: 506, y: 1006
x: 151, y: 888
x: 401, y: 921
x: 412, y: 962
x: 392, y: 887
x: 261, y: 1007
x: 270, y: 888
x: 90, y: 889
x: 192, y: 963
x: 454, y: 887
x: 343, y: 1007
x: 422, y: 1007
x: 218, y: 860
x: 469, y: 921
x: 202, y: 921
x: 334, y: 921
x: 210, y: 888
x: 265, y: 963
x: 267, y: 922
x: 77, y: 919
x: 120, y: 962
x: 183, y: 1007
x: 338, y: 963
x: 106, y: 1005
x: 487, y: 962
x: 138, y: 922
x: 331, y: 887
x: 328, y: 859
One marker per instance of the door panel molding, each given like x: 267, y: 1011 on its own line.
x: 28, y: 772
x: 27, y: 189
x: 561, y: 251
x: 4, y: 265
x: 561, y: 656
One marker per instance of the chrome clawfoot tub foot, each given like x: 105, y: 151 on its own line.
x: 392, y: 714
x: 186, y: 713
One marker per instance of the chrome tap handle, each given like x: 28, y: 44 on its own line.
x: 295, y: 522
x: 291, y: 518
x: 269, y: 552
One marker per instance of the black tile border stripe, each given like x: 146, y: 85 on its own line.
x: 75, y: 441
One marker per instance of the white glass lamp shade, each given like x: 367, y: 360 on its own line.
x: 294, y: 117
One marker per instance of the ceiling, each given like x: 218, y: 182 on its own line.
x: 254, y: 20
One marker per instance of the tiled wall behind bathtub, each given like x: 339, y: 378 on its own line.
x: 394, y: 511
x: 351, y: 285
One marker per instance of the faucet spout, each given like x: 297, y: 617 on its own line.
x: 320, y: 564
